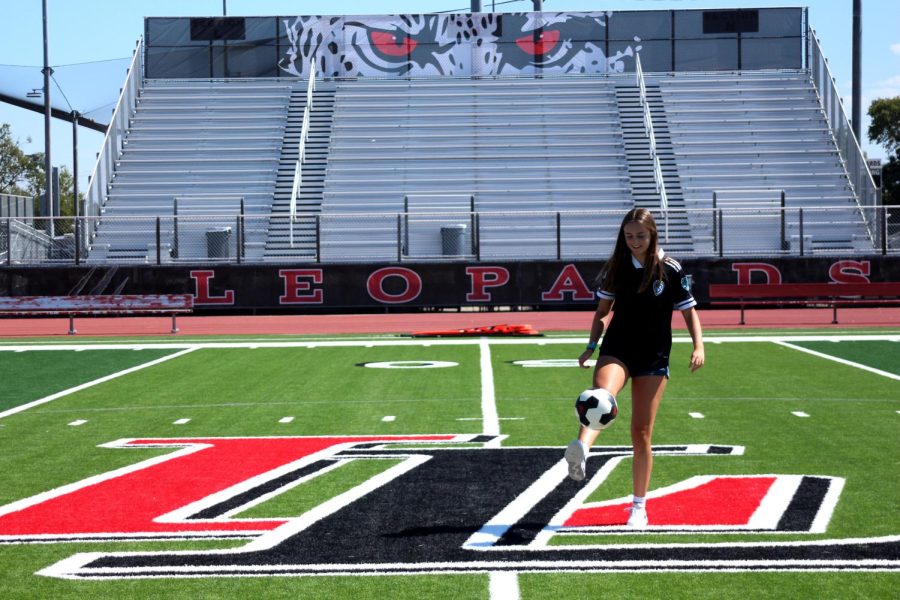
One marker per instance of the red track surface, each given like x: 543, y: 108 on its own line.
x: 409, y: 323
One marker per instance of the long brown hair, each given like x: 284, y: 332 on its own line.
x: 612, y: 275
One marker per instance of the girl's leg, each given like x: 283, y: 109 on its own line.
x: 611, y: 375
x: 646, y: 393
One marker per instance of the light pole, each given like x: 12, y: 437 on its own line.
x: 47, y: 71
x: 856, y: 92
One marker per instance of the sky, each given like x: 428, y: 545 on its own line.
x: 91, y: 42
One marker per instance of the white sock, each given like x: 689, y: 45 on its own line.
x: 638, y: 502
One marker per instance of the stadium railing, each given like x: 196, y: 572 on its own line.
x: 490, y: 235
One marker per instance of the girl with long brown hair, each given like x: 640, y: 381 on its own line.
x: 643, y: 287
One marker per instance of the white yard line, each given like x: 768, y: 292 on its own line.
x: 491, y: 425
x: 842, y: 361
x: 84, y: 386
x: 504, y: 585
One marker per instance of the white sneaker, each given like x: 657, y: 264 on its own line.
x: 637, y: 519
x: 576, y: 458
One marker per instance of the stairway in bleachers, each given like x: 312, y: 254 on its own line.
x: 674, y: 231
x: 516, y: 144
x: 759, y: 133
x: 309, y: 196
x: 208, y: 144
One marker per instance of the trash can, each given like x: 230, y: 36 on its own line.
x: 453, y: 239
x: 218, y: 242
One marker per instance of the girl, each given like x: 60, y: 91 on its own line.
x: 646, y: 286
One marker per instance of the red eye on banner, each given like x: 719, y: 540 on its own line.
x: 392, y: 44
x: 544, y: 44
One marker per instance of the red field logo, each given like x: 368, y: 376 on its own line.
x: 461, y: 508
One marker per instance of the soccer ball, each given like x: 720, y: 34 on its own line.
x: 596, y: 408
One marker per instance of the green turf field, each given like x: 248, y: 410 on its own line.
x: 387, y: 467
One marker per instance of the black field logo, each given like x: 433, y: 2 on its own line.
x: 444, y: 504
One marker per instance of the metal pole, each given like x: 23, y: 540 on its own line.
x: 47, y: 71
x: 857, y: 68
x: 558, y: 236
x: 76, y: 208
x: 158, y: 242
x: 224, y: 8
x: 538, y: 5
x: 802, y: 249
x: 318, y: 237
x: 476, y: 6
x: 784, y: 242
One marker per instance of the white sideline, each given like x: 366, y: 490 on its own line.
x: 373, y: 343
x: 842, y: 361
x: 84, y: 386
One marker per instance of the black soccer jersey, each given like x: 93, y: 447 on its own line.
x: 640, y: 333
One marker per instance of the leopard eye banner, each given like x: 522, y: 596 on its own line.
x: 481, y: 44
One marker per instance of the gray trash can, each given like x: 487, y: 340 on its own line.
x: 453, y: 239
x: 218, y: 242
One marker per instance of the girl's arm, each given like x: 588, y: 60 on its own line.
x: 596, y: 331
x: 692, y: 320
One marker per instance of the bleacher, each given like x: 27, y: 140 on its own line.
x: 202, y: 147
x: 748, y: 136
x: 513, y: 144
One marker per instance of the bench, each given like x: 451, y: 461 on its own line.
x: 82, y: 306
x: 804, y: 294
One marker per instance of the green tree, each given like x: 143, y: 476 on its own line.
x: 23, y: 174
x: 885, y: 130
x: 20, y: 173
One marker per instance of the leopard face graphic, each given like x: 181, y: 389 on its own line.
x: 483, y: 44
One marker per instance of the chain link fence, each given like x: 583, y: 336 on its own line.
x: 474, y: 236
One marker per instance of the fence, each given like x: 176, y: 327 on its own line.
x: 369, y: 237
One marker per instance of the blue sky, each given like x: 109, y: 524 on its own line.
x: 104, y: 32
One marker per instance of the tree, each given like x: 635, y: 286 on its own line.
x: 23, y: 174
x: 885, y: 130
x: 20, y: 174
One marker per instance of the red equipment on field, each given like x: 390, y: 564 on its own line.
x: 481, y: 331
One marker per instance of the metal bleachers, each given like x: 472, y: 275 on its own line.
x: 516, y: 144
x: 535, y: 160
x: 751, y: 135
x: 211, y: 145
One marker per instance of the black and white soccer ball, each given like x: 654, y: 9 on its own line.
x: 596, y: 408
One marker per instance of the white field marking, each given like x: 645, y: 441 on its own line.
x: 840, y: 360
x: 77, y: 423
x: 84, y: 386
x: 498, y: 418
x: 829, y: 503
x: 491, y: 532
x: 503, y: 585
x: 286, y: 419
x: 413, y: 342
x: 800, y: 413
x: 696, y: 415
x: 491, y: 421
x: 181, y: 422
x: 389, y: 418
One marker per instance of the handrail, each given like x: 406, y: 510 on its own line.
x: 304, y: 133
x: 98, y: 183
x: 648, y: 131
x: 855, y: 164
x: 548, y: 234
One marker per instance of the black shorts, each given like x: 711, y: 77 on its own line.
x: 640, y: 361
